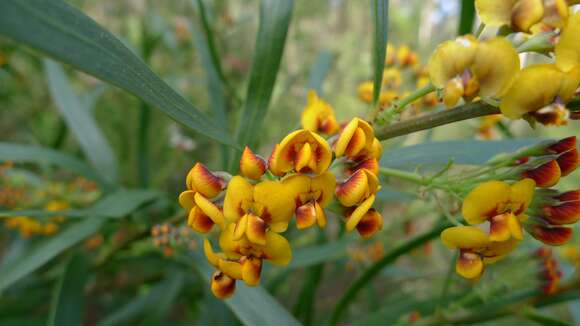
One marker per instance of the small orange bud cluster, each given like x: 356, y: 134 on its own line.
x: 254, y: 208
x: 549, y: 273
x: 28, y: 226
x: 166, y: 237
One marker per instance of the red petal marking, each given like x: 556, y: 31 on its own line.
x: 545, y: 175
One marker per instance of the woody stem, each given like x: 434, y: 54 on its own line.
x: 460, y: 113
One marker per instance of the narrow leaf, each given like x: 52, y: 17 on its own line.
x: 46, y: 250
x: 381, y: 24
x: 466, y: 17
x: 67, y: 305
x: 275, y: 18
x: 80, y: 121
x: 115, y: 205
x: 59, y: 30
x: 34, y: 154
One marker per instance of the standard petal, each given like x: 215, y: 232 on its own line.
x: 521, y: 194
x: 277, y: 200
x: 495, y: 65
x: 495, y: 12
x: 483, y: 201
x: 326, y: 184
x: 239, y: 191
x: 450, y: 59
x: 568, y: 48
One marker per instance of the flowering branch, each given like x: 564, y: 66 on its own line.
x: 460, y: 113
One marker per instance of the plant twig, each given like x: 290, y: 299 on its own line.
x: 460, y: 113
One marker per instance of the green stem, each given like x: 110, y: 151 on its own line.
x: 460, y: 113
x: 377, y: 267
x: 409, y: 176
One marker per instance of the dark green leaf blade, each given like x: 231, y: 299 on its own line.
x: 33, y: 154
x: 80, y: 121
x: 466, y: 17
x: 46, y: 250
x: 275, y: 18
x: 381, y: 26
x: 65, y: 33
x: 67, y: 305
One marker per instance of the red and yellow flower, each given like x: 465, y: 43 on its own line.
x: 311, y: 195
x: 318, y: 116
x: 302, y: 151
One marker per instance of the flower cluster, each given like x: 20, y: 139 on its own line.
x: 28, y: 226
x: 253, y: 209
x: 498, y: 212
x: 468, y: 68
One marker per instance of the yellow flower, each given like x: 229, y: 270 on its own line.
x: 302, y: 151
x: 390, y: 55
x: 357, y: 188
x: 357, y: 139
x: 568, y: 47
x: 406, y: 57
x: 311, y: 195
x: 365, y: 93
x: 202, y: 184
x: 475, y: 249
x: 252, y: 166
x: 523, y: 15
x: 541, y: 91
x: 392, y: 78
x: 466, y: 67
x: 504, y: 206
x: 241, y: 259
x: 318, y: 115
x: 254, y: 209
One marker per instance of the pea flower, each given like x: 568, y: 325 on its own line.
x: 252, y: 166
x: 356, y: 139
x: 255, y: 209
x: 475, y: 249
x: 523, y: 15
x: 551, y: 220
x: 406, y: 57
x: 318, y: 116
x: 311, y: 195
x: 202, y: 185
x: 502, y: 205
x: 302, y: 151
x: 565, y: 162
x: 365, y: 94
x: 466, y: 67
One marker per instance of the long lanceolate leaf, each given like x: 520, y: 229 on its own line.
x: 67, y: 302
x: 48, y: 249
x: 34, y: 154
x: 275, y: 18
x: 65, y: 33
x: 381, y: 20
x: 80, y: 121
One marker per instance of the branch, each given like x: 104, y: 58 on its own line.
x: 463, y: 112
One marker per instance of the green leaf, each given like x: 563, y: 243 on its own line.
x: 47, y: 249
x: 152, y: 306
x: 80, y: 121
x: 67, y: 304
x: 59, y: 30
x: 115, y: 205
x: 313, y: 255
x: 542, y: 319
x: 460, y: 151
x: 275, y: 18
x: 466, y: 18
x: 381, y: 25
x: 34, y: 154
x: 319, y: 71
x: 252, y: 305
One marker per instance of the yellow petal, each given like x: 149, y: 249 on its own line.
x: 453, y: 92
x: 495, y: 12
x: 272, y: 162
x: 521, y: 194
x: 464, y: 237
x: 305, y: 215
x: 345, y: 137
x: 251, y: 270
x: 322, y: 154
x: 365, y: 91
x: 469, y: 265
x: 499, y: 229
x: 501, y: 248
x: 370, y: 224
x: 354, y: 190
x: 277, y: 250
x: 355, y: 217
x: 241, y: 227
x: 198, y: 221
x: 320, y: 215
x: 526, y: 13
x: 230, y: 247
x: 222, y: 286
x: 450, y: 59
x: 252, y: 166
x: 202, y: 180
x: 231, y: 268
x: 303, y: 157
x: 209, y: 209
x: 495, y: 65
x: 211, y: 256
x: 187, y: 199
x: 326, y: 184
x: 277, y: 200
x: 483, y: 201
x: 239, y: 191
x: 256, y: 230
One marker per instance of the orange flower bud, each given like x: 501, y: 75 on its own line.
x: 251, y: 165
x: 201, y: 179
x: 222, y: 286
